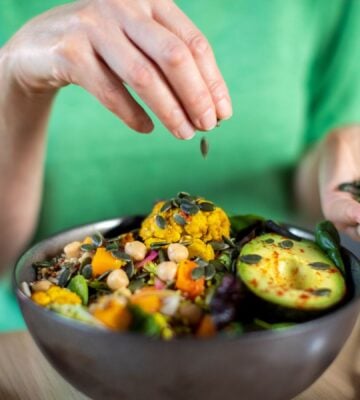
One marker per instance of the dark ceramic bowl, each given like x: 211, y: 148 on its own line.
x: 272, y: 365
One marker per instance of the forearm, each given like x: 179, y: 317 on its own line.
x: 23, y: 121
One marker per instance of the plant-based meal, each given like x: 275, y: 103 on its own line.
x: 190, y: 269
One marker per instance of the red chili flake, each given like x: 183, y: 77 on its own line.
x: 254, y: 282
x: 302, y: 250
x: 304, y: 296
x: 280, y: 293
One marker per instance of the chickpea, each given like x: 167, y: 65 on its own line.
x: 72, y: 250
x: 191, y: 313
x: 177, y: 252
x: 41, y: 286
x: 117, y: 279
x: 166, y: 270
x: 136, y: 250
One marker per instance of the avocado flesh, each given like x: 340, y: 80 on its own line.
x: 284, y: 277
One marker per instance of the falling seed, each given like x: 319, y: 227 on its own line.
x: 204, y: 147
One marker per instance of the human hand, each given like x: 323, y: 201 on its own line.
x: 103, y: 45
x: 339, y: 162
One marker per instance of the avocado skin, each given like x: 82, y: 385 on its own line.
x: 270, y: 310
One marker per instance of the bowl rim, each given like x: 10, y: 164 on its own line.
x: 297, y: 329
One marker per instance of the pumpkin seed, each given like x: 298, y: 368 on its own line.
x: 158, y: 245
x: 136, y: 284
x: 64, y: 277
x: 188, y: 207
x: 175, y: 202
x: 182, y: 195
x: 201, y: 262
x: 228, y: 241
x: 103, y: 275
x: 42, y: 264
x: 269, y: 241
x: 166, y: 206
x: 88, y: 247
x: 179, y: 219
x: 120, y: 255
x: 98, y: 286
x: 206, y: 206
x: 320, y: 265
x: 210, y: 271
x: 250, y: 258
x: 86, y: 271
x: 129, y: 269
x: 160, y: 222
x: 322, y: 292
x: 97, y: 239
x: 286, y: 244
x: 113, y: 246
x: 86, y: 261
x: 197, y: 273
x: 218, y: 265
x: 219, y: 246
x: 204, y: 147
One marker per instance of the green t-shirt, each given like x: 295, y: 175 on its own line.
x: 292, y: 69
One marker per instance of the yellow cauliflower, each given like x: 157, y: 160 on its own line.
x: 198, y: 248
x: 55, y: 295
x: 173, y: 224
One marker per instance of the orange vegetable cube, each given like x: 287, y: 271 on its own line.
x: 114, y: 315
x: 186, y: 283
x: 104, y: 261
x: 207, y: 327
x: 150, y: 302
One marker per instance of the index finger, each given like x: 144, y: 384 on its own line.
x: 177, y: 22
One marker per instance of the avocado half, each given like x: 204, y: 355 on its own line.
x: 295, y: 279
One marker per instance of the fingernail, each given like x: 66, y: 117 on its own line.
x: 208, y: 120
x: 146, y: 126
x: 223, y: 108
x: 185, y: 131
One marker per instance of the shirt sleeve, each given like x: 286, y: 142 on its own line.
x: 334, y: 84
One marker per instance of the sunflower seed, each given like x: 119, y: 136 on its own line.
x: 179, y: 219
x: 250, y: 258
x: 160, y: 222
x: 319, y: 265
x: 204, y: 147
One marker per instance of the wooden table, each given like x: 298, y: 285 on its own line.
x: 26, y: 375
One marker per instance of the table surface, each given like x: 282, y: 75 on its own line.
x: 26, y: 375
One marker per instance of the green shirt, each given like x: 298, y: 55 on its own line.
x: 292, y: 69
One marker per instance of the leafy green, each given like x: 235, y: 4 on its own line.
x: 79, y: 286
x: 328, y: 239
x: 143, y: 322
x: 240, y: 222
x: 277, y: 326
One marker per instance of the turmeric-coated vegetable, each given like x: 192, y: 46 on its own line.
x: 207, y: 327
x: 186, y: 283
